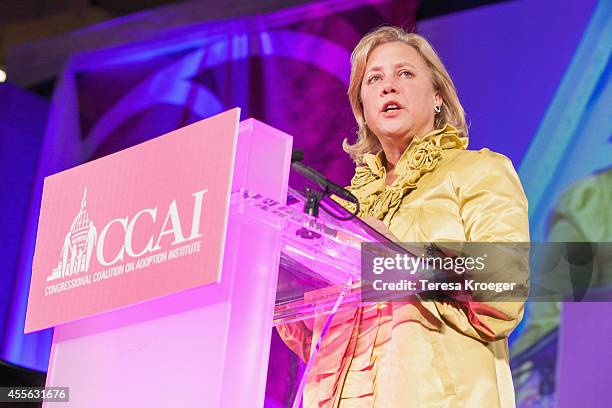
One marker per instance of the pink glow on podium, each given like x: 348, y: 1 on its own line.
x: 207, y: 345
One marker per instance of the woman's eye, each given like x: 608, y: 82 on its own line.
x: 373, y: 79
x: 406, y: 74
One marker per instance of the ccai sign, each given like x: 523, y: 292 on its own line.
x: 142, y: 223
x: 82, y: 244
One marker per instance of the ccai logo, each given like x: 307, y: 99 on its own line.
x: 78, y: 245
x: 83, y: 246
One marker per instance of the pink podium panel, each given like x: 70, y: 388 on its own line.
x: 136, y: 225
x: 186, y: 320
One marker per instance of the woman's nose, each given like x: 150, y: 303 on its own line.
x: 389, y: 87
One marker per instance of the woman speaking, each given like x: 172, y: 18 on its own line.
x: 415, y: 176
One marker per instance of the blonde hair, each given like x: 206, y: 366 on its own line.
x: 451, y: 110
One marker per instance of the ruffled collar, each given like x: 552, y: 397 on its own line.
x: 422, y: 155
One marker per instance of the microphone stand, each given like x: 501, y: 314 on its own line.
x: 313, y: 201
x: 313, y: 197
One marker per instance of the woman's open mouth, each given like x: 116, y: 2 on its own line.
x: 390, y: 107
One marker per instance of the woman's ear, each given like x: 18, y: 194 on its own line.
x: 438, y: 99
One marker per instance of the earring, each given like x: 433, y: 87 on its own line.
x: 437, y: 109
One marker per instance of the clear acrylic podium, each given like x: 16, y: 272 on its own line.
x: 209, y: 346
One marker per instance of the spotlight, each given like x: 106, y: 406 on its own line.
x: 2, y: 76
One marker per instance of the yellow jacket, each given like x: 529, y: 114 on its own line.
x: 425, y: 353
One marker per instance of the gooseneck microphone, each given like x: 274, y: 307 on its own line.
x: 328, y: 186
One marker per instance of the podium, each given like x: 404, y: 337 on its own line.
x: 177, y: 332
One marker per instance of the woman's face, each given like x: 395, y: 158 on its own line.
x: 397, y: 94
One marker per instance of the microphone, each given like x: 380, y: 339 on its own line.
x: 311, y: 174
x: 296, y: 156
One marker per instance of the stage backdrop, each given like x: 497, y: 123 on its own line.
x: 23, y: 118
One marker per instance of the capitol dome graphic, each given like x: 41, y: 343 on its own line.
x: 77, y: 247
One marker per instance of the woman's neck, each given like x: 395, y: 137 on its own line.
x: 391, y: 158
x: 393, y: 150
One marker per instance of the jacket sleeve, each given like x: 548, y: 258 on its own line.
x: 493, y: 208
